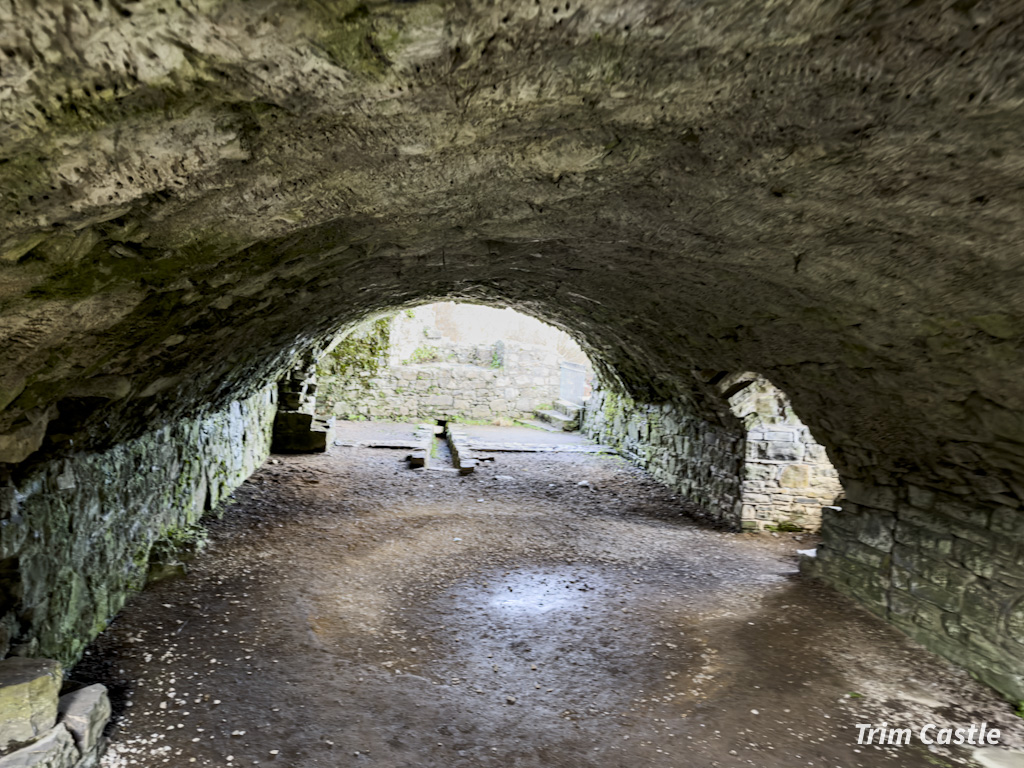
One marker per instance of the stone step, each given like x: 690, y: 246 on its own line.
x: 558, y: 420
x: 567, y: 408
x: 536, y: 423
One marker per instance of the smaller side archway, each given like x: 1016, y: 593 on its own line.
x: 787, y: 477
x: 740, y: 453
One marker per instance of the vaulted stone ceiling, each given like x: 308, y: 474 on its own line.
x: 828, y: 193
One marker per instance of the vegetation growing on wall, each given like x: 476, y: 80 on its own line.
x: 360, y: 355
x: 425, y: 354
x: 179, y: 543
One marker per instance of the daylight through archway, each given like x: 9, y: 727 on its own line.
x: 716, y: 201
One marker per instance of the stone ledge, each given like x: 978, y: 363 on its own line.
x: 28, y: 700
x: 64, y: 732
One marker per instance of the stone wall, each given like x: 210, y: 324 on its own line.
x: 787, y: 476
x: 76, y: 534
x: 701, y: 460
x: 945, y: 570
x: 455, y: 381
x: 766, y: 471
x: 787, y: 479
x: 296, y: 428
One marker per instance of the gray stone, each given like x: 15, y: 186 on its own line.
x: 795, y: 476
x: 84, y: 713
x: 28, y: 699
x: 56, y: 749
x: 994, y: 757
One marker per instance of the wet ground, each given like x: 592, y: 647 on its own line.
x: 350, y: 611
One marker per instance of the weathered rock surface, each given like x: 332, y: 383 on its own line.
x: 80, y: 537
x: 28, y: 699
x: 822, y: 193
x: 84, y: 713
x: 54, y: 750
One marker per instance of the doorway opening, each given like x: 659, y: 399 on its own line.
x: 452, y: 361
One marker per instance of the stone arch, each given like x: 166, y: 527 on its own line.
x: 752, y: 464
x: 449, y: 360
x: 739, y: 192
x: 787, y: 475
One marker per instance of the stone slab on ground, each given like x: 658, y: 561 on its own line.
x: 84, y: 713
x: 29, y: 689
x: 462, y: 453
x: 420, y: 457
x: 521, y: 434
x: 538, y: 424
x: 393, y: 444
x: 55, y: 750
x: 993, y: 757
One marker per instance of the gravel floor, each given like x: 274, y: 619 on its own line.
x: 350, y: 611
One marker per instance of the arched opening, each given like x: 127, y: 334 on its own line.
x: 787, y: 475
x: 756, y: 467
x: 452, y: 361
x: 197, y: 194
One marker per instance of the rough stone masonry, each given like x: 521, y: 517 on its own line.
x: 826, y: 193
x: 507, y: 380
x: 39, y: 728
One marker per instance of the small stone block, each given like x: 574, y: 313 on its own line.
x: 28, y: 699
x: 84, y: 713
x: 165, y: 572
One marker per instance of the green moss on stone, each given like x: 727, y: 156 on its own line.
x: 359, y: 356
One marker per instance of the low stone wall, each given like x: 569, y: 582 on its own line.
x: 75, y: 535
x: 702, y: 461
x: 945, y: 570
x: 507, y: 380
